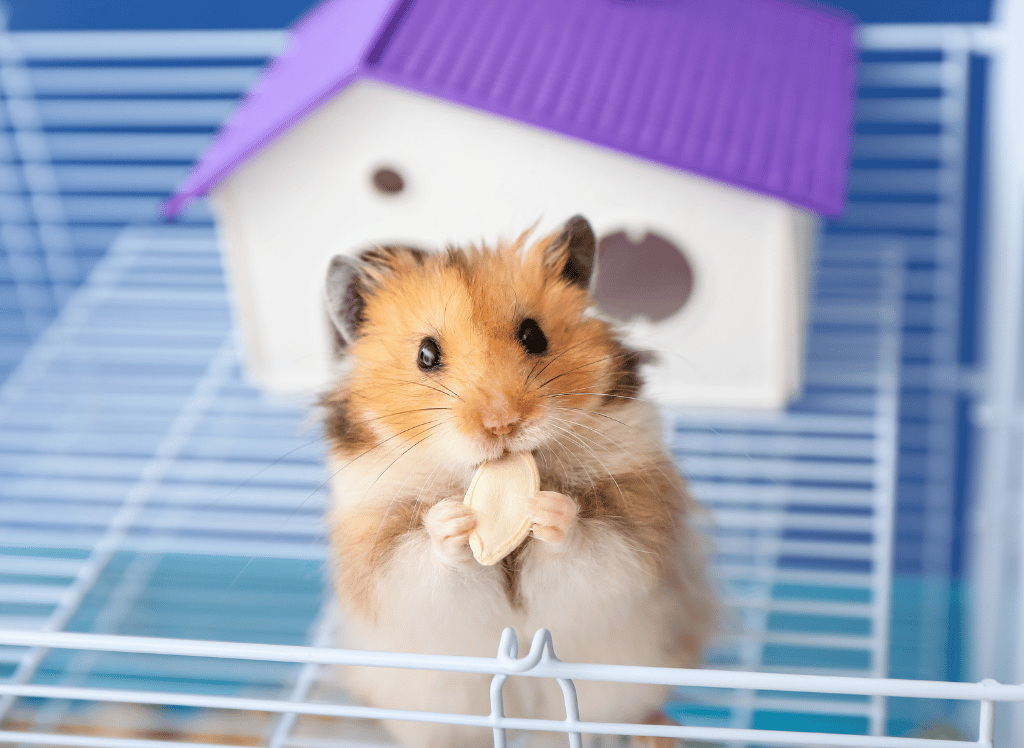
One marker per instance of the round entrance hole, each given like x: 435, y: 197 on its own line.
x: 388, y: 181
x: 650, y: 278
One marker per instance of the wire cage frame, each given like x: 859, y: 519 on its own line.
x: 998, y: 525
x: 539, y: 662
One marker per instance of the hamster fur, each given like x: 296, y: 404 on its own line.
x: 445, y: 369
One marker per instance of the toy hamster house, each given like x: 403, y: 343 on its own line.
x: 700, y: 138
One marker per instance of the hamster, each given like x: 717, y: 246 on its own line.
x: 459, y: 357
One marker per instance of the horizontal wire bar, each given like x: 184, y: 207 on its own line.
x: 64, y: 45
x: 807, y: 607
x: 142, y: 81
x: 90, y: 741
x: 772, y: 737
x: 800, y: 704
x: 987, y: 691
x: 301, y: 741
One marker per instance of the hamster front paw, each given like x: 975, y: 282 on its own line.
x: 553, y: 516
x: 449, y: 523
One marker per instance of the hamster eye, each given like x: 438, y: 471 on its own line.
x: 531, y: 337
x: 429, y: 356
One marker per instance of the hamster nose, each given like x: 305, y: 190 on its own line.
x: 499, y: 417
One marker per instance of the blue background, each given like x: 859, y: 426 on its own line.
x: 33, y: 15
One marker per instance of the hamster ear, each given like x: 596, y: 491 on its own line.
x: 350, y: 279
x: 345, y: 287
x: 573, y: 252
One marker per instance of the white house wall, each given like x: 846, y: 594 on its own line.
x: 471, y: 176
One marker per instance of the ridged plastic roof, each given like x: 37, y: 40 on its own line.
x: 755, y: 93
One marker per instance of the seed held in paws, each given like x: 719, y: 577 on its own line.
x: 498, y: 495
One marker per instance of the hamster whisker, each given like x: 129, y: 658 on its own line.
x: 665, y: 468
x: 595, y: 413
x: 393, y: 414
x: 580, y: 440
x: 622, y: 446
x: 390, y: 465
x: 565, y: 470
x: 382, y: 442
x: 337, y: 472
x: 593, y: 392
x: 584, y: 442
x: 594, y: 443
x: 572, y: 347
x: 589, y: 443
x: 379, y: 444
x: 571, y: 452
x: 581, y: 366
x: 449, y: 393
x: 263, y: 469
x: 526, y: 382
x: 449, y: 390
x: 428, y: 483
x: 577, y: 424
x: 413, y: 516
x: 618, y: 442
x: 418, y: 501
x: 406, y: 451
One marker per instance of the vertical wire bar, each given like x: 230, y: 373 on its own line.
x: 498, y: 708
x: 572, y: 707
x: 997, y: 563
x: 933, y: 627
x: 1006, y: 347
x: 508, y: 649
x: 886, y: 448
x: 322, y: 633
x: 987, y: 721
x: 37, y: 168
x: 766, y: 548
x: 572, y: 711
x: 28, y: 274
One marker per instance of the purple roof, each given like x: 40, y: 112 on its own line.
x: 756, y: 93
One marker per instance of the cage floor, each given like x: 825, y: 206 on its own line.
x: 148, y: 490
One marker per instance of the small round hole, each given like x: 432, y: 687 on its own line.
x: 388, y: 181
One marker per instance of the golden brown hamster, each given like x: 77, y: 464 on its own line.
x: 459, y: 357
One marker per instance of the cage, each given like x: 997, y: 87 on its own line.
x: 161, y: 549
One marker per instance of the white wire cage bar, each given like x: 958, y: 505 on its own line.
x: 540, y: 662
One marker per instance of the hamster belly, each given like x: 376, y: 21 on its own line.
x: 425, y: 606
x: 601, y: 607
